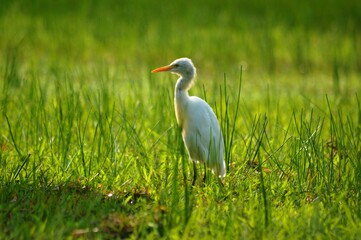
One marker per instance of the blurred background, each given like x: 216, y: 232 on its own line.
x: 266, y: 36
x: 286, y: 48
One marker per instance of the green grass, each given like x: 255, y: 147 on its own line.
x: 90, y: 148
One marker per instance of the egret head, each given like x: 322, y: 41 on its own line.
x: 181, y: 66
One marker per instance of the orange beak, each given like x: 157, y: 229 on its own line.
x: 163, y: 69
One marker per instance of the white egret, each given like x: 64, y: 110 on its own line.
x: 201, y: 132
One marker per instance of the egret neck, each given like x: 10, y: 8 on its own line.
x: 181, y: 97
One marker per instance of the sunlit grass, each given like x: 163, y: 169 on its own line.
x: 90, y: 148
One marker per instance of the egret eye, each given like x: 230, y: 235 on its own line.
x: 176, y: 65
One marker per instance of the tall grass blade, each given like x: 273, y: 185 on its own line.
x: 230, y: 144
x: 12, y: 136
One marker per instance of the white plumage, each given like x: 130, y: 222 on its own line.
x: 200, y: 128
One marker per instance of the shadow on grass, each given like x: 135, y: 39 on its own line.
x: 78, y: 211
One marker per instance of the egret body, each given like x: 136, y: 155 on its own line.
x: 201, y: 132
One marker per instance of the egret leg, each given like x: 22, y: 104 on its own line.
x: 220, y: 181
x: 205, y: 173
x: 194, y: 173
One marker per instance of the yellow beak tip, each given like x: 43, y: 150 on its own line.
x: 162, y: 69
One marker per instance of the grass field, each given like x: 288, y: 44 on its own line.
x: 90, y: 148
